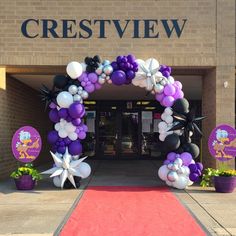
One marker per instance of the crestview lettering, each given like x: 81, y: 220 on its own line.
x: 86, y: 28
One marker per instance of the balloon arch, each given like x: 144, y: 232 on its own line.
x: 65, y: 101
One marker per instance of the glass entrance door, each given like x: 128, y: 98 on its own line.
x: 129, y: 135
x: 107, y: 134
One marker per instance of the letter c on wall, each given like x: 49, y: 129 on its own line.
x: 24, y: 28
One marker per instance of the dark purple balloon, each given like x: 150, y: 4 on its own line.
x: 192, y: 168
x: 115, y: 65
x: 130, y: 74
x: 199, y: 166
x: 67, y: 141
x: 54, y: 148
x: 61, y: 149
x: 194, y: 177
x: 53, y: 116
x: 75, y: 148
x: 119, y: 59
x: 131, y: 58
x: 118, y: 77
x: 52, y: 137
x: 76, y: 109
x: 166, y: 73
x: 63, y: 113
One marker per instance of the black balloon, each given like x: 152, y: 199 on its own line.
x: 181, y: 105
x: 92, y: 63
x: 192, y: 148
x: 172, y: 142
x: 60, y: 81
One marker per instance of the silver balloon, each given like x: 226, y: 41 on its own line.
x: 99, y: 70
x: 80, y: 88
x: 101, y: 80
x: 169, y: 166
x: 108, y: 77
x: 172, y: 176
x: 108, y: 69
x: 103, y: 75
x: 77, y: 98
x: 56, y: 181
x: 84, y: 94
x: 106, y: 62
x: 73, y: 89
x: 178, y: 162
x: 175, y: 167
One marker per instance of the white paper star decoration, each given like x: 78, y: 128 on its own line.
x: 68, y: 166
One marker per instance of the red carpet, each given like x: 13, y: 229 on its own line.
x: 131, y: 211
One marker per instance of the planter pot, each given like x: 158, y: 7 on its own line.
x: 25, y: 182
x: 224, y: 184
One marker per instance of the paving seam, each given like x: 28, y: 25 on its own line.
x: 68, y: 214
x: 187, y: 208
x: 195, y: 200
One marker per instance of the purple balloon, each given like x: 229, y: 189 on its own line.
x: 169, y: 90
x: 76, y: 109
x: 159, y: 96
x: 193, y: 168
x: 199, y: 166
x: 90, y: 88
x: 118, y: 77
x: 75, y: 148
x: 178, y: 94
x: 178, y: 84
x: 93, y: 77
x: 130, y: 74
x: 52, y: 105
x: 63, y: 113
x: 97, y: 86
x: 53, y: 116
x: 168, y: 101
x: 131, y: 58
x: 193, y: 177
x: 171, y: 156
x: 83, y: 76
x: 76, y: 121
x: 166, y: 73
x: 82, y: 135
x: 61, y: 149
x: 68, y: 119
x: 52, y: 137
x: 84, y: 127
x: 119, y: 59
x: 115, y: 65
x: 166, y: 162
x: 186, y: 158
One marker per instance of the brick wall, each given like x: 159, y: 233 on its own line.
x: 20, y: 105
x: 196, y: 46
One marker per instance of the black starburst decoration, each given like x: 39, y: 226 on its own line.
x: 187, y: 122
x: 47, y: 95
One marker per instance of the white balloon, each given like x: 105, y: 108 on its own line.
x: 181, y: 183
x: 101, y: 80
x: 162, y: 172
x: 140, y: 62
x: 84, y: 169
x: 169, y: 166
x: 152, y: 63
x: 69, y: 127
x: 169, y: 119
x: 162, y: 125
x: 172, y: 176
x: 74, y: 69
x: 73, y: 136
x: 159, y: 88
x: 57, y: 126
x: 190, y: 182
x: 56, y: 181
x: 168, y: 111
x: 169, y: 183
x: 190, y: 133
x: 83, y: 66
x: 162, y: 137
x: 64, y: 99
x: 73, y: 89
x: 171, y: 80
x: 163, y: 116
x: 62, y: 133
x: 186, y: 170
x: 84, y: 95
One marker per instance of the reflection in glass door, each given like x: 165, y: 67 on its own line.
x: 107, y: 131
x: 129, y: 134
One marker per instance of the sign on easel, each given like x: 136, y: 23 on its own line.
x: 26, y: 144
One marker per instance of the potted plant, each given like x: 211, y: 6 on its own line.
x: 25, y: 177
x: 224, y: 181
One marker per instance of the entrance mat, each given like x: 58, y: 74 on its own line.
x: 131, y: 211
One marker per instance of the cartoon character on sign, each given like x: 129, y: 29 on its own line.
x: 25, y: 144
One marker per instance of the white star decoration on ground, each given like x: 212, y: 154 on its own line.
x: 65, y: 167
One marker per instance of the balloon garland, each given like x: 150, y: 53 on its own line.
x: 66, y: 98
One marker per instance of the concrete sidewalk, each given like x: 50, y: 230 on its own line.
x: 45, y: 210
